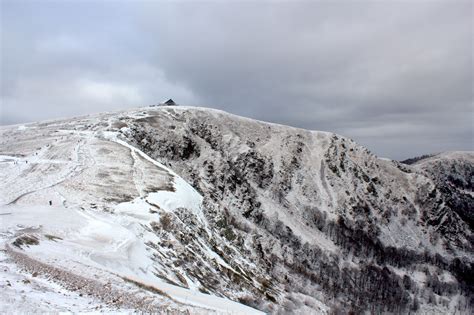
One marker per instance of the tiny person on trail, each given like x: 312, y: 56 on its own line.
x: 50, y: 203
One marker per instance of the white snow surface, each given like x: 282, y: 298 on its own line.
x: 81, y: 232
x: 108, y: 199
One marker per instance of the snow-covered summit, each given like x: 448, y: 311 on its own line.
x: 197, y: 209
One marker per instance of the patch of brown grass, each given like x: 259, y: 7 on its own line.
x: 52, y: 237
x: 146, y: 287
x: 26, y: 240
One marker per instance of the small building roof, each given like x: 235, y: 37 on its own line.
x: 170, y: 102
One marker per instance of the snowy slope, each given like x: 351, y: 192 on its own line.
x: 104, y: 196
x: 326, y: 217
x: 183, y: 208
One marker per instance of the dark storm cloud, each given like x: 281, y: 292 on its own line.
x: 396, y: 76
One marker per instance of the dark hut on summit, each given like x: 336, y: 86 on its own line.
x: 169, y: 102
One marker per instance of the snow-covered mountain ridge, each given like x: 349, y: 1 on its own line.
x: 207, y: 207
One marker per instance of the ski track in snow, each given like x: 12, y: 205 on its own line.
x: 79, y: 164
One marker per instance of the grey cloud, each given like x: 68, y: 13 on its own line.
x: 352, y: 67
x: 396, y: 76
x: 63, y: 59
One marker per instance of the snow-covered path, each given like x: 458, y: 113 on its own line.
x: 84, y: 237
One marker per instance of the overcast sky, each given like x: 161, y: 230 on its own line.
x: 396, y: 76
